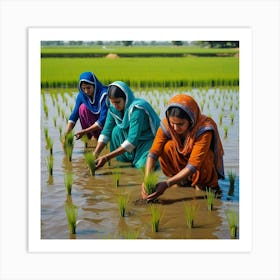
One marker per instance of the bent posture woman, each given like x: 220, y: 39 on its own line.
x: 130, y: 127
x: 188, y: 147
x: 90, y: 107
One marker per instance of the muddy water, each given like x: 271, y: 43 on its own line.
x: 97, y: 196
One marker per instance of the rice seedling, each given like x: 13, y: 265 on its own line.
x: 232, y: 220
x: 190, y: 210
x: 53, y: 100
x: 49, y: 145
x: 46, y: 132
x: 232, y: 118
x: 231, y: 176
x: 60, y: 130
x: 150, y: 181
x: 66, y: 101
x: 210, y: 196
x: 216, y: 104
x: 221, y: 115
x: 122, y: 203
x: 58, y: 109
x: 71, y: 211
x: 68, y: 181
x: 230, y: 105
x: 46, y: 110
x: 117, y: 175
x: 69, y: 145
x: 90, y: 161
x: 62, y: 111
x: 69, y: 152
x: 43, y: 98
x: 49, y: 161
x: 223, y: 107
x: 54, y: 121
x: 155, y: 217
x: 225, y: 131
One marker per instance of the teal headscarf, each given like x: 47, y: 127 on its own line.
x: 132, y: 102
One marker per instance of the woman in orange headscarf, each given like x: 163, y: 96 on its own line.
x: 188, y: 147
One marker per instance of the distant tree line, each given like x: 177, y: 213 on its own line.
x: 218, y: 44
x: 205, y: 44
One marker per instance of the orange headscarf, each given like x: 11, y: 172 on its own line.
x: 199, y: 124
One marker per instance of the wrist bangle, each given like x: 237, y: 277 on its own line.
x: 167, y: 184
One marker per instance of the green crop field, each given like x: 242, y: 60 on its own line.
x: 158, y: 71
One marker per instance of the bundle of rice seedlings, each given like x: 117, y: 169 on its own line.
x: 68, y: 181
x: 155, y: 217
x: 150, y: 182
x: 71, y: 211
x: 122, y: 203
x: 90, y: 160
x: 232, y: 219
x: 210, y: 196
x: 190, y: 210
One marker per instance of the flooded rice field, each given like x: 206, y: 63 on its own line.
x: 97, y: 198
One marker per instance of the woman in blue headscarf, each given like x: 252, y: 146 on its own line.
x: 91, y: 107
x: 130, y: 127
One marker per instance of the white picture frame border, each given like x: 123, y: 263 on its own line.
x: 261, y: 16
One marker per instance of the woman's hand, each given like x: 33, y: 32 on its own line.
x: 100, y: 162
x: 143, y: 191
x: 80, y: 134
x: 160, y: 189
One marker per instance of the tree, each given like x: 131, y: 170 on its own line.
x: 127, y: 43
x: 218, y: 44
x: 177, y: 43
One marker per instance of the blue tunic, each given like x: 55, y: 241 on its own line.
x: 98, y: 105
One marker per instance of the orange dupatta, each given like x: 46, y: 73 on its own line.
x: 200, y: 124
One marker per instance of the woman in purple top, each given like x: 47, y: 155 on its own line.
x: 91, y: 107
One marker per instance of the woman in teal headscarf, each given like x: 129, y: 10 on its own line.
x: 130, y: 126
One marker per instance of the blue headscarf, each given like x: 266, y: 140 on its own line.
x: 100, y: 92
x: 131, y: 102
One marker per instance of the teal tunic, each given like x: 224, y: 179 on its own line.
x: 134, y: 131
